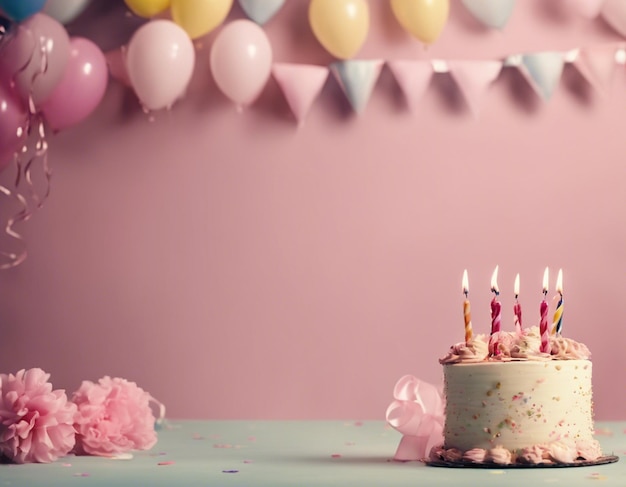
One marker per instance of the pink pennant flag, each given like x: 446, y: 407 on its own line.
x: 589, y: 9
x: 117, y: 65
x: 597, y: 65
x: 301, y: 84
x: 473, y: 78
x: 413, y: 78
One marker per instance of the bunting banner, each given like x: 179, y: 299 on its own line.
x: 473, y: 78
x: 357, y: 79
x: 413, y: 77
x: 301, y: 84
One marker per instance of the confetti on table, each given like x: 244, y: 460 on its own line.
x: 597, y: 476
x: 358, y: 423
x: 251, y: 438
x: 222, y: 445
x: 122, y: 456
x: 81, y: 474
x: 603, y: 432
x: 230, y: 471
x: 247, y: 461
x: 66, y: 464
x: 166, y: 462
x: 335, y: 455
x: 350, y: 443
x: 197, y: 436
x: 496, y: 472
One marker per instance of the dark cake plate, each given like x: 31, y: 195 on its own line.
x: 466, y: 464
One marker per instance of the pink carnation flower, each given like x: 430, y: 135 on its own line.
x: 114, y: 416
x: 36, y: 423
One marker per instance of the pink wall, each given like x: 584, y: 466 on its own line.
x: 236, y: 266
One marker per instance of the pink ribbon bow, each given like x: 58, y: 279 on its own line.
x: 418, y: 413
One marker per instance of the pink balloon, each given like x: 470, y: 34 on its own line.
x: 82, y: 87
x: 160, y: 61
x: 241, y: 61
x: 13, y: 122
x: 34, y: 57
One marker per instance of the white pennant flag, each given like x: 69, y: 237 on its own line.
x: 473, y: 78
x: 413, y: 78
x: 357, y: 79
x: 597, y: 65
x: 543, y: 71
x: 301, y: 84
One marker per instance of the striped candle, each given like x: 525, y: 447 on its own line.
x: 517, y: 308
x: 467, y: 315
x: 543, y: 324
x: 496, y: 316
x: 557, y: 320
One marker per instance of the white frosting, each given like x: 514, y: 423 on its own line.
x: 518, y: 405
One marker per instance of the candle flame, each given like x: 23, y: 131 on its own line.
x: 516, y: 285
x: 545, y: 280
x: 465, y: 283
x: 494, y: 281
x: 559, y: 282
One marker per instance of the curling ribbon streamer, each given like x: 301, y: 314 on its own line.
x: 418, y: 413
x: 160, y: 417
x: 14, y: 259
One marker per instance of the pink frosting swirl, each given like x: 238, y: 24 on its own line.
x: 475, y: 455
x: 513, y: 346
x: 475, y: 350
x: 500, y: 455
x: 532, y: 454
x: 588, y: 450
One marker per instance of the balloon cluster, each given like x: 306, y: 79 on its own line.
x: 47, y: 79
x: 160, y: 57
x: 44, y: 72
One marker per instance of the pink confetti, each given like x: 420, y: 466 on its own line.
x: 603, y: 432
x: 335, y: 455
x: 358, y: 423
x: 167, y: 462
x: 251, y: 438
x: 197, y: 436
x: 79, y: 474
x: 66, y: 464
x: 350, y: 443
x: 247, y: 461
x: 222, y: 445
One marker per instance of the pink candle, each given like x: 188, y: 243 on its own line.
x: 496, y: 316
x: 517, y: 308
x: 543, y: 324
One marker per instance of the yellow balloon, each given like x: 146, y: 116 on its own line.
x: 340, y: 26
x: 147, y: 8
x: 424, y: 19
x: 199, y: 17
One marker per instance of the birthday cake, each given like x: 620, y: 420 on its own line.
x: 517, y: 404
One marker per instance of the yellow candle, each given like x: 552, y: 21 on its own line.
x: 557, y: 320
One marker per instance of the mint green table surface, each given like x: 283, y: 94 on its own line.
x: 297, y: 453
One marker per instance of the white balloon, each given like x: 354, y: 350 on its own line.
x: 64, y: 11
x: 492, y: 13
x: 261, y: 10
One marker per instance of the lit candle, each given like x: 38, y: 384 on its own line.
x: 517, y: 308
x: 543, y: 324
x: 557, y: 321
x: 466, y: 309
x: 496, y: 315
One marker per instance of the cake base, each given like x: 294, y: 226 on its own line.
x: 467, y: 464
